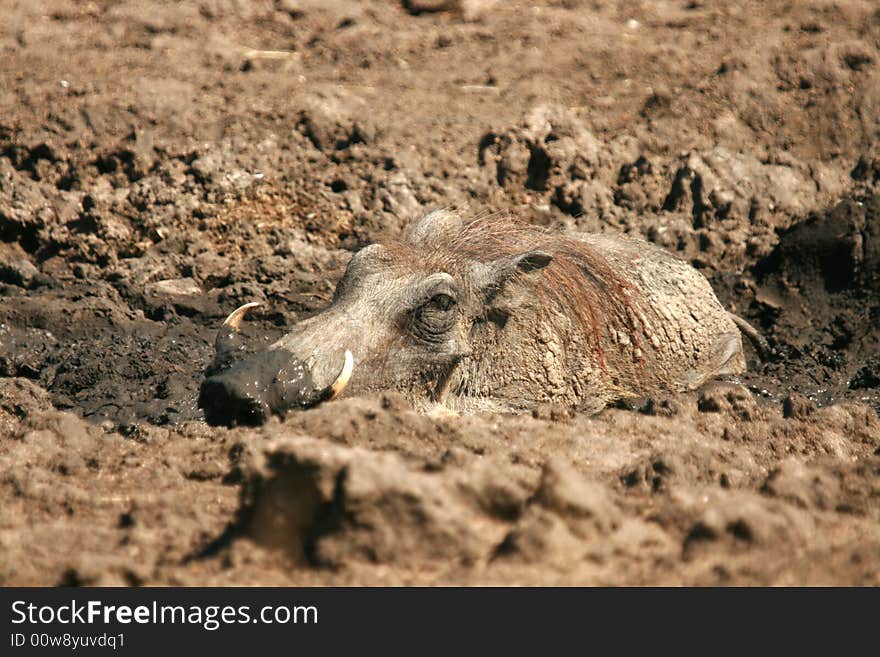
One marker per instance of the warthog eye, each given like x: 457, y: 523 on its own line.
x: 434, y: 318
x: 441, y: 302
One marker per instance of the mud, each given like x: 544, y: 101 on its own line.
x: 162, y: 163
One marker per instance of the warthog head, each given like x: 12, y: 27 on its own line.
x: 403, y: 317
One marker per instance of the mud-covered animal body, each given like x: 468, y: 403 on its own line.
x: 488, y: 313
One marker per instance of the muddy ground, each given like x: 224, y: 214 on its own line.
x: 163, y: 162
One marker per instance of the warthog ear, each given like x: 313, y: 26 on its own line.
x: 491, y: 277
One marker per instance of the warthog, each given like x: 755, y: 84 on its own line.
x: 489, y: 314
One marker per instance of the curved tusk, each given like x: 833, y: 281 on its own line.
x: 238, y: 314
x: 228, y: 341
x: 341, y: 381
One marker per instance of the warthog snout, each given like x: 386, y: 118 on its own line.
x: 247, y: 389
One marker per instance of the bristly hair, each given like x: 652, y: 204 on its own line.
x: 579, y: 280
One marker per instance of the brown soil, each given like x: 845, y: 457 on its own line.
x: 163, y: 162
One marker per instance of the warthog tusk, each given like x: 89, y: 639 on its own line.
x: 228, y: 341
x: 341, y: 381
x: 238, y: 314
